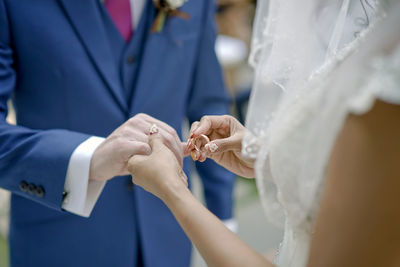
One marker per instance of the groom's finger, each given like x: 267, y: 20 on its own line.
x: 132, y: 148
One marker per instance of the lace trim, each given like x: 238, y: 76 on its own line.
x: 383, y: 84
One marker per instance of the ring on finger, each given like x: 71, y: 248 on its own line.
x: 153, y: 129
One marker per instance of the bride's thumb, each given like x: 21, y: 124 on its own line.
x: 225, y: 144
x: 155, y: 140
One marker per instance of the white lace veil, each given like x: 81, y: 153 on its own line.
x: 292, y: 40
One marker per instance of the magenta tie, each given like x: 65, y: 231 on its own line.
x: 120, y: 12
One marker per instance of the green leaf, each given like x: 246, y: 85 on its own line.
x: 161, y: 22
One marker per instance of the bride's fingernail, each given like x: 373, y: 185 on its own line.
x: 188, y: 143
x: 212, y: 147
x: 202, y: 157
x: 193, y: 155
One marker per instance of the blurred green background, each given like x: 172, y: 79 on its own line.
x: 3, y: 252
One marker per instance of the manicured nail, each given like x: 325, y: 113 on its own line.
x: 212, y: 147
x: 190, y: 142
x: 202, y: 157
x: 193, y: 155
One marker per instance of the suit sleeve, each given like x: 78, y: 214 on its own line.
x: 209, y: 97
x: 33, y: 163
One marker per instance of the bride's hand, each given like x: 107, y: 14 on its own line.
x: 158, y: 173
x: 220, y: 138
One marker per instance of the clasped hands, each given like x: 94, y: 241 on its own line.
x: 155, y: 160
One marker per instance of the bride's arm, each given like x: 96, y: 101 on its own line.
x: 161, y: 174
x: 359, y: 219
x: 217, y: 244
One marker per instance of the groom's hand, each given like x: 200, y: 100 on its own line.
x: 110, y: 159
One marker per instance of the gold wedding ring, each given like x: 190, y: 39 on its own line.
x: 195, y: 141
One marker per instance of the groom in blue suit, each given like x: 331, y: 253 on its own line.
x: 80, y: 85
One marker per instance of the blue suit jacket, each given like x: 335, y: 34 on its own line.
x: 56, y: 66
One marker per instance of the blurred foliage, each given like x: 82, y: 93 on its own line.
x: 3, y: 252
x: 245, y: 191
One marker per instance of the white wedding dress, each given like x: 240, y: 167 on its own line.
x: 316, y: 62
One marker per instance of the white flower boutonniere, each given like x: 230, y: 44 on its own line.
x: 175, y: 3
x: 167, y: 8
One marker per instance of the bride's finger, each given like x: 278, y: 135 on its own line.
x: 209, y: 124
x: 202, y: 127
x: 168, y: 140
x: 160, y: 140
x: 189, y: 144
x: 233, y: 142
x: 164, y: 127
x: 156, y: 142
x: 202, y: 157
x: 195, y: 154
x: 194, y: 126
x: 173, y: 146
x: 185, y: 149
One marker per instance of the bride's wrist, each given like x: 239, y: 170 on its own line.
x: 249, y: 163
x: 246, y: 161
x: 174, y: 192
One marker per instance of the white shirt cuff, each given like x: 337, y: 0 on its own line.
x: 232, y: 225
x: 82, y: 194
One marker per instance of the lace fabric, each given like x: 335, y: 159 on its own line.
x: 291, y: 40
x: 292, y: 138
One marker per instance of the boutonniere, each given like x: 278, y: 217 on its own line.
x: 167, y: 8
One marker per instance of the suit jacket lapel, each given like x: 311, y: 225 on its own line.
x: 86, y: 19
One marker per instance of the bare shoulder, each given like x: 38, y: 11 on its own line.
x: 358, y: 222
